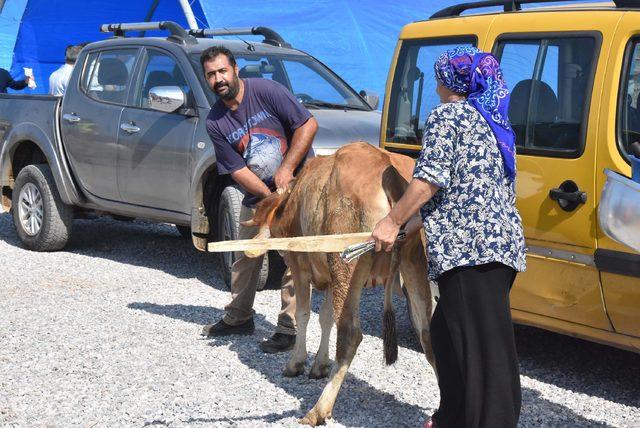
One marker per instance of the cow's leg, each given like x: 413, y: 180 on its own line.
x: 347, y: 287
x: 321, y: 366
x: 413, y: 268
x: 302, y: 283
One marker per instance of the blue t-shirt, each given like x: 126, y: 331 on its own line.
x: 258, y: 132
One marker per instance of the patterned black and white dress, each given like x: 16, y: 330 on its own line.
x: 472, y: 219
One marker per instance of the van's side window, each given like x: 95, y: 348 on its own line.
x: 629, y: 104
x: 413, y: 94
x: 550, y: 82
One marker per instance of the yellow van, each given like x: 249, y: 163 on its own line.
x: 574, y: 75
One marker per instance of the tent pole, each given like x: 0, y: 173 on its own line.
x: 188, y: 13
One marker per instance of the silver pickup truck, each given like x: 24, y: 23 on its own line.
x: 128, y: 138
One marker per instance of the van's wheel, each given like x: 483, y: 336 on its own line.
x: 184, y: 231
x: 228, y: 222
x: 42, y: 220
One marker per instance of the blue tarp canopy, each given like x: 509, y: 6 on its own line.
x: 48, y: 26
x: 355, y: 38
x: 10, y: 16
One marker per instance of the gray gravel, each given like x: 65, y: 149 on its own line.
x: 106, y: 333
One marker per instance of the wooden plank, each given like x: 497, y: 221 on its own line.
x: 315, y: 244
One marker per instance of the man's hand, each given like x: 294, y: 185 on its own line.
x: 385, y: 234
x: 282, y: 178
x: 250, y: 182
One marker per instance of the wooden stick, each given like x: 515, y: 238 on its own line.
x: 310, y: 244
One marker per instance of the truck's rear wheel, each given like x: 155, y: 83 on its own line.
x: 42, y: 220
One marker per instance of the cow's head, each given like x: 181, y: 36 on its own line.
x: 267, y: 212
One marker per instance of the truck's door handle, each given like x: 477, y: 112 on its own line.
x: 129, y: 128
x: 568, y: 196
x: 71, y: 117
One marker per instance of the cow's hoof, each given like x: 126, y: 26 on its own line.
x: 314, y: 418
x: 294, y: 371
x: 320, y: 371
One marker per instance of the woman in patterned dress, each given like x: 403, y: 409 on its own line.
x: 464, y: 187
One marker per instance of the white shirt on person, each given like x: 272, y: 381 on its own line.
x: 59, y: 79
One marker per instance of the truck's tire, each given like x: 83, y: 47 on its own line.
x: 228, y: 222
x: 42, y: 220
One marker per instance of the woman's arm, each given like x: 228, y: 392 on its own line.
x: 418, y: 193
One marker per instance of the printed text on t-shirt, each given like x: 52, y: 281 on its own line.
x: 236, y: 135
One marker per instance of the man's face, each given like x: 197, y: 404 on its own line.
x: 222, y: 77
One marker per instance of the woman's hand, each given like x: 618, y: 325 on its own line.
x: 385, y: 234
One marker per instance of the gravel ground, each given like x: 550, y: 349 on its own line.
x: 106, y: 333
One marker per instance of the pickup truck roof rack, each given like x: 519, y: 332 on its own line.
x: 177, y: 33
x: 515, y: 5
x: 270, y: 36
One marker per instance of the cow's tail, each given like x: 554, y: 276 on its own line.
x: 389, y: 334
x: 394, y: 186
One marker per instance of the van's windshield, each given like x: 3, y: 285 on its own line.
x: 310, y: 82
x: 413, y: 94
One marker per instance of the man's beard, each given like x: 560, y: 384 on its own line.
x: 232, y: 91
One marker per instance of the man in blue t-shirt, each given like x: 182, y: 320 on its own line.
x: 262, y: 135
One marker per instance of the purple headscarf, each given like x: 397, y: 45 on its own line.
x: 468, y: 70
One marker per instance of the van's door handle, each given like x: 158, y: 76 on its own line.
x: 129, y: 128
x: 578, y: 196
x: 568, y: 195
x: 71, y: 117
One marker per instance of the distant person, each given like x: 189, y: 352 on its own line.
x: 6, y: 81
x: 60, y: 78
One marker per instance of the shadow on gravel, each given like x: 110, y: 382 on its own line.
x: 156, y: 246
x: 371, y: 404
x: 579, y: 365
x: 566, y: 362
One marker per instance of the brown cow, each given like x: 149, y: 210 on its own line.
x: 349, y: 191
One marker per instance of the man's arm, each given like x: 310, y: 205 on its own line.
x: 9, y: 82
x: 417, y: 194
x: 17, y: 84
x: 250, y: 182
x: 231, y: 162
x: 300, y: 145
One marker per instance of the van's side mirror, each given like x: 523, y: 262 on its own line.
x: 166, y: 98
x: 371, y: 98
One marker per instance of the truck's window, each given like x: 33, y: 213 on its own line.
x: 413, y: 94
x: 89, y: 69
x: 108, y: 79
x: 159, y: 70
x: 629, y: 104
x: 550, y: 82
x: 309, y: 86
x: 259, y: 67
x: 311, y: 82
